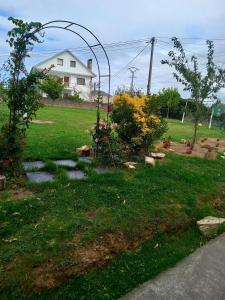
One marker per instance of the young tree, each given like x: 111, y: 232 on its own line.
x: 53, y: 87
x: 22, y: 91
x: 169, y: 100
x: 200, y: 86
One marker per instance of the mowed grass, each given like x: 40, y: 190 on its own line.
x: 165, y: 202
x: 179, y: 131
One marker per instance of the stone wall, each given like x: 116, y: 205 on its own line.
x: 71, y: 103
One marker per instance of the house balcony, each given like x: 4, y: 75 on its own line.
x: 67, y: 87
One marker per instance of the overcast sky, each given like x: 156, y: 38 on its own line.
x: 125, y: 20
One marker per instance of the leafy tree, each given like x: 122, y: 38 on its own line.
x: 200, y: 86
x: 3, y: 92
x: 52, y: 86
x: 169, y: 100
x: 22, y: 91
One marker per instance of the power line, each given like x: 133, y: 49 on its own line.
x: 121, y: 44
x: 127, y: 65
x: 191, y: 38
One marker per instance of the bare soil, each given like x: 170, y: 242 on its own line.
x: 20, y: 193
x: 200, y: 148
x: 42, y: 122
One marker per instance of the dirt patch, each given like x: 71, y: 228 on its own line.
x: 219, y: 203
x: 20, y: 193
x: 42, y: 122
x: 200, y: 149
x: 89, y: 215
x: 82, y: 258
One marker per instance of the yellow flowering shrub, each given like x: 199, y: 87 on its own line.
x: 138, y: 124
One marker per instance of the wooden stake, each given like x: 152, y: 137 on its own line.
x: 2, y: 182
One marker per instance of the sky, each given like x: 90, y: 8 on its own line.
x: 112, y: 21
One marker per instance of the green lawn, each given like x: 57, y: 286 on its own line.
x: 151, y: 212
x: 179, y: 131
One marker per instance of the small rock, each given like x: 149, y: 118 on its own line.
x: 183, y: 141
x: 84, y: 150
x: 149, y: 161
x: 130, y: 163
x: 131, y: 167
x: 209, y: 225
x: 157, y: 155
x: 171, y: 150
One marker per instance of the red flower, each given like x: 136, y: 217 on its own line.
x: 105, y: 138
x: 7, y: 162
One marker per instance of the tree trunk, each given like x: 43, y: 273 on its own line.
x: 195, y: 132
x: 168, y: 110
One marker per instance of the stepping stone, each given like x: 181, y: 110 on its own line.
x: 29, y: 165
x: 65, y: 163
x: 101, y: 170
x: 87, y: 160
x: 76, y: 174
x: 39, y: 177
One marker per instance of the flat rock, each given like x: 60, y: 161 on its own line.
x: 29, y: 165
x: 65, y: 162
x: 39, y: 177
x: 131, y: 167
x: 210, y: 225
x: 149, y: 161
x: 76, y: 174
x: 157, y: 155
x: 130, y: 163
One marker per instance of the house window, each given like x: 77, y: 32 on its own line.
x: 73, y: 63
x: 59, y: 61
x: 66, y: 81
x: 81, y: 81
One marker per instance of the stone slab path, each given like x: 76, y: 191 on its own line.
x: 200, y: 276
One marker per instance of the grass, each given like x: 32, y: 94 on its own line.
x: 179, y: 131
x: 148, y: 207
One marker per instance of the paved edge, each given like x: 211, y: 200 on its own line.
x: 199, y: 276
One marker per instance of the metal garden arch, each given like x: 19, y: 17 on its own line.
x: 72, y: 27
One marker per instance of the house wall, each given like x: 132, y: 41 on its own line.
x: 79, y: 71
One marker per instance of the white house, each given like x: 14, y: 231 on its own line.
x: 76, y: 76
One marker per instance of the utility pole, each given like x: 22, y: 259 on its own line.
x: 132, y: 70
x: 152, y: 42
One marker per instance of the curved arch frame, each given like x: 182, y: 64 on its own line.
x: 67, y: 27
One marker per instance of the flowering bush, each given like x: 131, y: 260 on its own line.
x: 138, y: 124
x: 105, y: 143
